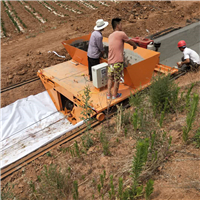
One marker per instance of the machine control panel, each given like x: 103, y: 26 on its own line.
x: 99, y: 75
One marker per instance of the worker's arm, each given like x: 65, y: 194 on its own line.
x: 186, y: 61
x: 132, y: 43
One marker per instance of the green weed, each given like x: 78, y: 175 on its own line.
x: 6, y: 193
x: 122, y: 119
x: 49, y: 154
x: 99, y: 188
x: 139, y: 161
x: 3, y: 27
x: 75, y: 190
x: 149, y: 189
x: 32, y: 186
x: 163, y: 112
x: 105, y: 143
x: 53, y: 184
x: 102, y: 180
x: 163, y: 87
x: 125, y: 131
x: 77, y: 149
x: 112, y: 188
x: 197, y: 138
x: 86, y: 108
x: 188, y: 95
x: 190, y: 117
x: 153, y: 136
x: 87, y: 141
x: 120, y: 190
x: 136, y: 99
x: 135, y: 120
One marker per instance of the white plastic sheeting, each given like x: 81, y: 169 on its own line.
x: 28, y: 124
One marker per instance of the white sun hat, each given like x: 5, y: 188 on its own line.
x: 100, y: 24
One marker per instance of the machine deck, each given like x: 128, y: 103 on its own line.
x: 74, y: 78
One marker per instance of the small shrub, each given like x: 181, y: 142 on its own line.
x: 125, y: 131
x: 105, y: 143
x: 6, y: 193
x: 71, y: 150
x: 126, y: 117
x: 77, y: 149
x: 49, y: 154
x: 99, y: 188
x: 170, y: 141
x: 188, y: 95
x: 139, y: 161
x: 153, y: 136
x: 119, y: 118
x: 136, y: 99
x: 149, y: 189
x: 163, y: 112
x: 54, y: 184
x: 120, y: 190
x: 3, y: 27
x: 102, y: 180
x: 122, y: 119
x: 86, y: 108
x: 112, y: 187
x: 197, y: 138
x: 135, y: 120
x: 161, y: 88
x: 190, y: 117
x: 87, y: 141
x: 32, y: 186
x: 141, y: 118
x: 75, y: 190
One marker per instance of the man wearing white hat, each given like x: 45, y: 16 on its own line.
x: 95, y: 48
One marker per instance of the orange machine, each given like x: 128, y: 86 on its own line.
x: 66, y: 82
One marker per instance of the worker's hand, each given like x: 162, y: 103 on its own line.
x: 179, y: 64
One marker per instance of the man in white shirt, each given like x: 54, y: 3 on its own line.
x: 190, y: 58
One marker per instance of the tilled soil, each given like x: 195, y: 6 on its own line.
x: 23, y: 54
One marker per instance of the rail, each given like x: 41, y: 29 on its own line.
x: 19, y: 84
x: 8, y: 170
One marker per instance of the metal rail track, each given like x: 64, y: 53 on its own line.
x: 8, y: 170
x: 19, y: 84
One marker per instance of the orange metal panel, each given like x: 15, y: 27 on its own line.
x: 77, y: 54
x: 140, y: 73
x: 55, y: 96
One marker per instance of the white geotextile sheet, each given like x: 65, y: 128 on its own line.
x: 28, y: 124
